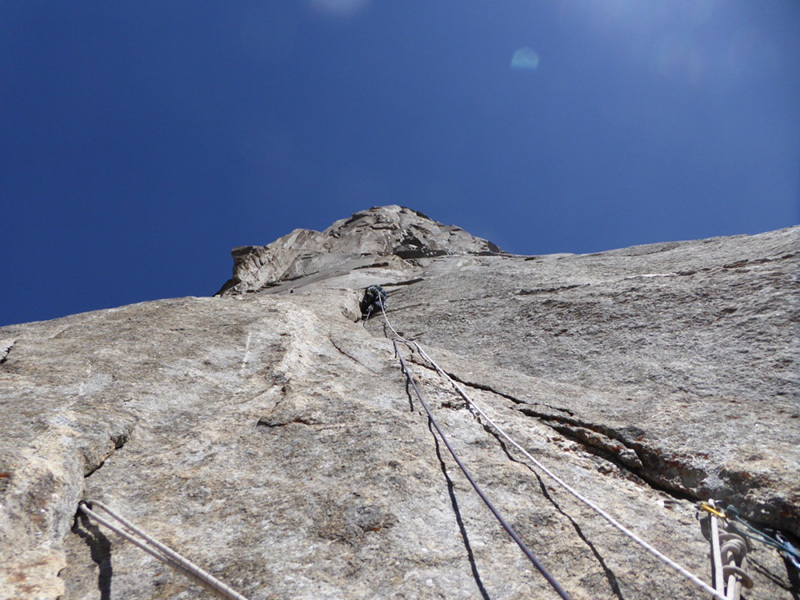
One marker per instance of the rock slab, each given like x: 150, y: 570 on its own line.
x: 269, y: 435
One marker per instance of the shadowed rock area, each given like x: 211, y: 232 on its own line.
x: 269, y: 435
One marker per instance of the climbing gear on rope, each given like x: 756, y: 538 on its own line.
x: 789, y: 552
x: 374, y: 299
x: 652, y: 550
x: 155, y: 548
x: 710, y: 507
x: 777, y: 541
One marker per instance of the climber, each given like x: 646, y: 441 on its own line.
x: 374, y: 300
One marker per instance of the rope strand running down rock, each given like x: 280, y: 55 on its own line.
x: 550, y: 579
x: 163, y: 553
x: 613, y: 522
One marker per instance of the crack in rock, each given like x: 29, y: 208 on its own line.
x: 490, y: 389
x: 307, y: 421
x: 5, y: 349
x: 608, y: 571
x: 591, y: 436
x: 118, y: 439
x: 45, y: 483
x: 487, y: 388
x: 550, y: 290
x: 347, y: 354
x: 265, y: 422
x: 406, y: 282
x: 641, y: 463
x: 667, y: 474
x: 645, y: 464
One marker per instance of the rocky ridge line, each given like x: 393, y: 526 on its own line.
x: 395, y: 232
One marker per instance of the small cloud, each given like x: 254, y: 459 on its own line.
x: 525, y: 59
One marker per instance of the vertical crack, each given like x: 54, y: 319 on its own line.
x: 462, y: 529
x: 609, y: 573
x: 410, y: 397
x: 100, y: 551
x: 453, y: 501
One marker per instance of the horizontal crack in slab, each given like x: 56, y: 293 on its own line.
x: 405, y: 282
x: 264, y: 422
x: 550, y: 290
x: 665, y: 473
x: 490, y: 389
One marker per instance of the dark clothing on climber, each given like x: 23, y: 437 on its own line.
x: 374, y: 300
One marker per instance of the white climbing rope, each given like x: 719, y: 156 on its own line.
x: 160, y: 551
x: 716, y: 555
x: 733, y: 551
x: 513, y: 534
x: 613, y: 522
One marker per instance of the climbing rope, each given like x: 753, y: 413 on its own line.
x: 733, y: 550
x: 158, y: 550
x: 716, y: 555
x: 613, y: 522
x: 550, y: 579
x: 728, y: 551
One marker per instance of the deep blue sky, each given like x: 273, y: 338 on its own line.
x: 141, y: 141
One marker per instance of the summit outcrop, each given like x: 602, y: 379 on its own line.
x: 269, y: 435
x: 391, y: 232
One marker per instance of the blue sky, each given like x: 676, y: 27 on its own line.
x: 141, y: 141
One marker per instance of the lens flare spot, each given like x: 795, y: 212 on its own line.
x: 340, y: 8
x: 525, y: 59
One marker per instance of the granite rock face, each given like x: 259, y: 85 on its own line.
x: 391, y: 233
x: 269, y: 435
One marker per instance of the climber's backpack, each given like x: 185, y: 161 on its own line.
x: 374, y: 298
